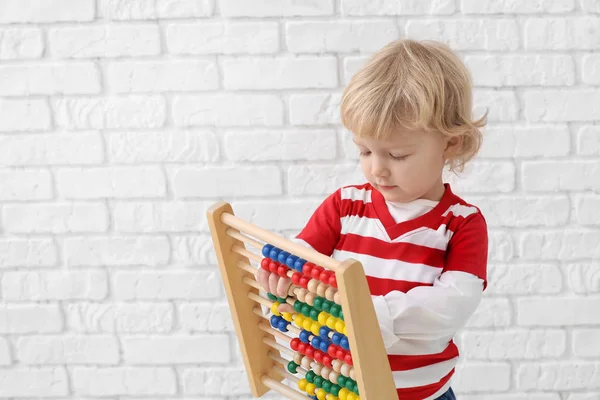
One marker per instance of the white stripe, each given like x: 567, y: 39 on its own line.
x: 363, y: 226
x: 459, y: 210
x: 354, y: 194
x: 424, y: 375
x: 428, y: 237
x: 391, y: 269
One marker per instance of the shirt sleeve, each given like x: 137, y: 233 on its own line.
x: 322, y: 231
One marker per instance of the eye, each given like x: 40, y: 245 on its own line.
x: 398, y: 157
x: 365, y: 153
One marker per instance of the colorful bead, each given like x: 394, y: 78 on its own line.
x: 306, y: 310
x: 336, y: 338
x: 307, y: 268
x: 315, y: 328
x: 324, y: 331
x: 343, y: 394
x: 310, y: 388
x: 296, y: 278
x: 331, y: 322
x: 304, y: 281
x: 310, y: 376
x: 335, y: 389
x: 287, y: 316
x: 351, y: 396
x: 302, y: 384
x: 294, y: 343
x: 344, y: 343
x: 321, y: 394
x: 341, y: 380
x: 304, y: 335
x: 333, y: 281
x: 316, y: 272
x: 339, y: 325
x: 292, y: 367
x: 316, y: 342
x: 318, y: 304
x: 319, y: 381
x: 342, y: 315
x: 305, y: 363
x: 299, y: 320
x: 307, y: 324
x: 274, y: 307
x: 310, y: 298
x: 271, y: 296
x: 330, y: 293
x: 324, y: 345
x: 264, y: 264
x: 291, y: 260
x: 274, y: 320
x: 298, y: 264
x: 312, y: 285
x: 337, y: 297
x: 282, y: 325
x: 314, y: 314
x: 321, y: 289
x: 327, y: 306
x: 282, y: 257
x: 266, y: 250
x: 282, y: 271
x: 274, y: 253
x: 298, y: 306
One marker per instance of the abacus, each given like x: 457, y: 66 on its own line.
x: 338, y: 351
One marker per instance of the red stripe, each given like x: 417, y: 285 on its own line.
x: 404, y: 363
x: 422, y: 392
x: 382, y: 286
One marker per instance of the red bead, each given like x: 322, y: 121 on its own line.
x: 332, y: 350
x: 304, y: 281
x: 282, y: 271
x: 319, y: 356
x: 324, y: 277
x: 273, y: 266
x: 316, y: 271
x: 307, y: 268
x: 310, y: 352
x: 302, y: 347
x: 294, y: 344
x: 333, y: 281
x: 340, y: 354
x: 296, y: 278
x: 264, y: 264
x: 348, y: 359
x: 327, y: 361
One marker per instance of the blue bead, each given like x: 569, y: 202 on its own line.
x: 274, y: 321
x: 299, y: 264
x: 336, y: 338
x: 283, y: 256
x: 325, y: 345
x: 324, y: 332
x: 283, y: 324
x: 274, y: 253
x: 344, y: 343
x: 291, y: 260
x: 316, y: 342
x: 304, y: 334
x: 266, y: 250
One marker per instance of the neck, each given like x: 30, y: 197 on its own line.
x: 436, y: 192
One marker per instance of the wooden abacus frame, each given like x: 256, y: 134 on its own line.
x: 257, y: 338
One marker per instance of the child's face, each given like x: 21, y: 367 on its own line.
x: 406, y: 166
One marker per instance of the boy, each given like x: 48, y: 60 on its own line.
x: 423, y: 249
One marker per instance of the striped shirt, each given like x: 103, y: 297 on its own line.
x: 425, y: 275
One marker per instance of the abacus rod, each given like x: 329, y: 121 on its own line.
x: 281, y: 368
x: 281, y: 242
x: 260, y: 299
x: 246, y: 267
x: 277, y: 346
x: 242, y: 251
x: 281, y: 388
x: 243, y: 238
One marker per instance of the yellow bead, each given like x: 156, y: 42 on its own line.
x: 323, y: 317
x: 340, y: 325
x: 299, y: 319
x: 351, y: 396
x: 315, y: 328
x: 345, y: 331
x: 307, y: 324
x: 302, y: 384
x: 274, y: 308
x: 310, y: 388
x: 343, y: 394
x: 321, y: 394
x: 331, y: 322
x: 287, y: 316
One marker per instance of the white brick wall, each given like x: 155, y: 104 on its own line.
x: 121, y: 121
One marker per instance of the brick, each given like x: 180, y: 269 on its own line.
x: 104, y: 41
x: 111, y: 112
x: 225, y: 181
x: 193, y: 250
x: 524, y: 211
x: 583, y: 277
x: 24, y: 11
x: 491, y: 313
x: 558, y: 106
x: 588, y: 140
x: 67, y: 349
x: 512, y: 7
x: 27, y: 381
x: 123, y: 381
x: 401, y: 7
x: 564, y: 33
x: 557, y: 311
x: 24, y: 115
x: 25, y: 184
x: 587, y: 209
x: 206, y: 317
x: 228, y: 110
x: 584, y: 396
x: 540, y: 176
x: 277, y: 214
x: 571, y: 244
x: 113, y: 317
x: 585, y: 343
x: 176, y: 349
x: 161, y: 76
x: 21, y: 43
x: 280, y: 145
x: 283, y: 72
x: 321, y: 179
x: 6, y: 358
x: 352, y: 65
x: 215, y: 381
x: 30, y: 318
x: 485, y: 34
x: 514, y: 344
x: 564, y: 375
x: 155, y: 9
x: 227, y: 37
x: 484, y: 177
x: 275, y: 8
x: 178, y: 216
x: 589, y: 6
x: 524, y: 279
x: 513, y: 396
x: 509, y: 141
x: 116, y: 251
x: 33, y: 252
x: 590, y: 63
x: 521, y: 70
x: 51, y: 149
x: 315, y: 108
x: 339, y: 36
x: 490, y: 376
x: 54, y: 285
x: 501, y: 247
x: 199, y: 285
x: 502, y: 105
x: 55, y: 218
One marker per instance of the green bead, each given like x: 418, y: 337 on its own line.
x: 281, y: 300
x: 355, y: 389
x: 341, y: 315
x: 335, y: 389
x: 335, y: 310
x: 327, y: 386
x: 298, y: 306
x: 292, y: 367
x: 310, y: 376
x: 319, y: 303
x: 314, y: 314
x: 341, y: 380
x: 271, y: 296
x: 350, y: 384
x: 319, y: 381
x: 306, y: 310
x: 327, y: 306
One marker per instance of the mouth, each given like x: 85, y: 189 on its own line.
x: 386, y: 187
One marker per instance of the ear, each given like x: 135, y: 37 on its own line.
x: 453, y: 145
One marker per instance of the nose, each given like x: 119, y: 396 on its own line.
x: 379, y: 167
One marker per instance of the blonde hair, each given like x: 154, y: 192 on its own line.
x: 418, y: 85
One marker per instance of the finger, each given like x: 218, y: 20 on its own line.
x: 282, y: 287
x: 273, y: 280
x: 262, y: 277
x: 286, y: 308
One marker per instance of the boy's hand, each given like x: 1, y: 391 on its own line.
x: 277, y: 285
